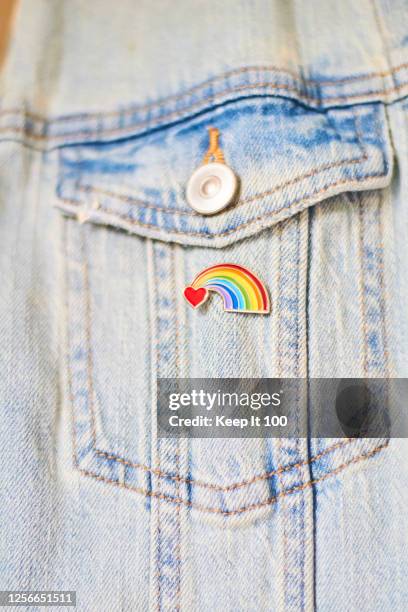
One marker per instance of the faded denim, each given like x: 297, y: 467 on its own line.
x: 103, y: 118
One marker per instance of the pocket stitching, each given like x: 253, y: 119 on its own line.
x: 27, y: 130
x: 300, y: 202
x: 138, y: 202
x: 352, y: 78
x: 243, y: 509
x: 165, y: 209
x: 156, y: 471
x: 177, y: 478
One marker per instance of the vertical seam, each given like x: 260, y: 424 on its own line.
x: 312, y: 214
x: 88, y: 337
x: 68, y: 348
x: 278, y: 301
x: 158, y: 442
x: 177, y: 372
x: 382, y: 283
x: 67, y: 356
x: 155, y: 594
x: 298, y: 401
x: 362, y: 284
x: 383, y: 307
x: 279, y: 440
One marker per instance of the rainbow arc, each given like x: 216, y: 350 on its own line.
x: 239, y: 288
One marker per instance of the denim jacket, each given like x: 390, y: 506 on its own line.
x: 104, y: 116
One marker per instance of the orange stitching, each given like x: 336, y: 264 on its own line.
x: 214, y: 151
x: 176, y: 97
x: 383, y: 286
x: 310, y: 174
x: 131, y: 200
x: 232, y: 487
x: 181, y: 113
x: 268, y: 502
x: 174, y: 289
x: 381, y: 281
x: 362, y: 283
x: 177, y: 555
x: 299, y: 204
x: 158, y: 528
x: 279, y: 445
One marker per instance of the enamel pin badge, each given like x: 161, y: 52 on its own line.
x: 239, y: 288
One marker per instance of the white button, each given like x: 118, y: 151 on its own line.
x: 211, y: 188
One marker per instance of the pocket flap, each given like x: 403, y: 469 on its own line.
x: 287, y: 157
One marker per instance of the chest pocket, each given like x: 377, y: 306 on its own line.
x: 308, y: 220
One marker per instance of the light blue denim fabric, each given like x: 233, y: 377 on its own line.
x: 104, y: 115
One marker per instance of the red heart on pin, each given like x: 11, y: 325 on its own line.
x: 195, y: 297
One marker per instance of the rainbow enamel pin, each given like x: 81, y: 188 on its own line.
x: 239, y: 288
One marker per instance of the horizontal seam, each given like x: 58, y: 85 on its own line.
x: 242, y: 510
x: 237, y: 485
x: 136, y: 201
x: 133, y: 201
x: 227, y: 74
x: 211, y: 235
x: 180, y: 113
